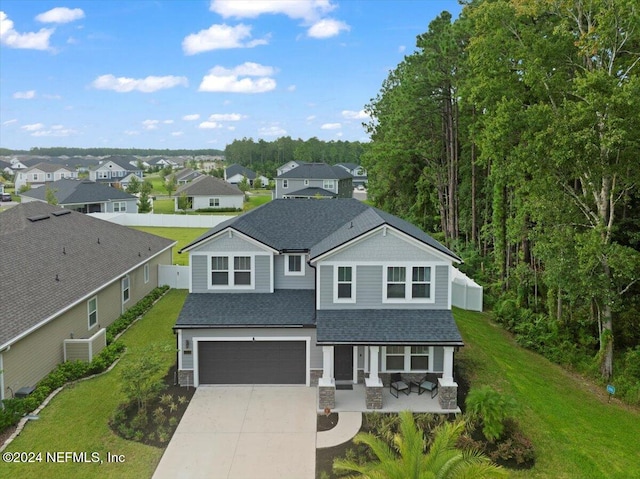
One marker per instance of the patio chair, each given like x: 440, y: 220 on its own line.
x: 423, y: 384
x: 398, y: 385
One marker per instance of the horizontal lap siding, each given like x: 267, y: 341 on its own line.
x: 292, y: 282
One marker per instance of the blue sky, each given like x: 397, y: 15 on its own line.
x: 197, y: 73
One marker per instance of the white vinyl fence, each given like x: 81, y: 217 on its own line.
x: 174, y: 221
x: 174, y: 276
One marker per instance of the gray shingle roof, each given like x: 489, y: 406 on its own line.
x: 236, y: 169
x: 311, y: 192
x: 317, y: 171
x: 283, y: 307
x: 68, y: 191
x: 34, y: 253
x: 50, y: 167
x: 206, y: 185
x: 316, y: 226
x: 384, y: 326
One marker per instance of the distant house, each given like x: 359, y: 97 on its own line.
x: 186, y: 175
x: 5, y: 167
x: 234, y: 174
x: 358, y: 172
x: 161, y: 163
x: 43, y: 173
x: 114, y: 171
x: 65, y: 277
x: 208, y: 192
x: 287, y: 167
x: 312, y: 180
x: 85, y: 196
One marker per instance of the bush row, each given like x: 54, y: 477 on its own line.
x: 68, y: 371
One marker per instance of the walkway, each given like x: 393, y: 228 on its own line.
x: 349, y: 423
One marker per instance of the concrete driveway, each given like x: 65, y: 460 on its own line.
x: 238, y: 432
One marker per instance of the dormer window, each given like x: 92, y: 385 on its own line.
x: 294, y: 265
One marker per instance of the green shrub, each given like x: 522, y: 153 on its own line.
x: 491, y: 408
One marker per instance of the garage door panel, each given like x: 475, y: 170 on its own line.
x: 252, y: 362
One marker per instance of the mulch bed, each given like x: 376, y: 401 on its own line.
x: 164, y: 413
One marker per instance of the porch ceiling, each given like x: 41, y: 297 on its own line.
x: 387, y: 326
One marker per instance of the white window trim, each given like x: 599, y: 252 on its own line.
x: 216, y: 199
x: 146, y: 273
x: 408, y: 282
x: 231, y: 285
x: 120, y: 206
x: 306, y: 182
x: 123, y: 289
x: 407, y: 361
x: 352, y: 299
x: 91, y: 326
x: 325, y: 184
x: 287, y: 272
x: 285, y: 183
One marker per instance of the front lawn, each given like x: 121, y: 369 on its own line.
x: 77, y: 419
x: 575, y: 431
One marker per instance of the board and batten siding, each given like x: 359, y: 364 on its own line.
x: 190, y: 334
x: 369, y: 294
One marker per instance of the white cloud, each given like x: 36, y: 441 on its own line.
x: 193, y: 117
x: 291, y: 88
x: 221, y: 79
x: 33, y: 40
x: 60, y: 15
x: 308, y: 10
x: 331, y: 126
x: 51, y: 97
x: 33, y: 127
x: 311, y: 117
x: 168, y: 122
x: 146, y: 85
x: 177, y: 133
x: 401, y: 49
x: 9, y: 122
x: 150, y: 124
x: 219, y: 37
x: 57, y: 132
x: 226, y: 117
x: 327, y: 28
x: 209, y: 125
x: 272, y: 131
x: 131, y: 132
x: 24, y: 95
x: 355, y: 115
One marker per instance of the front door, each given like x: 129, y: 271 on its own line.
x: 343, y: 363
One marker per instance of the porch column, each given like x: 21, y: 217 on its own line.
x: 447, y: 387
x: 447, y: 365
x: 326, y: 384
x: 373, y: 384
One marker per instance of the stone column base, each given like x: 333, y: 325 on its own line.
x: 373, y: 390
x: 327, y: 397
x: 447, y: 394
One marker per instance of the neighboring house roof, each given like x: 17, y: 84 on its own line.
x: 236, y: 169
x: 311, y: 192
x: 387, y: 326
x: 317, y: 171
x: 122, y: 162
x: 49, y: 167
x: 284, y: 307
x: 349, y: 166
x: 68, y: 191
x: 186, y: 174
x: 316, y: 226
x: 206, y: 185
x: 53, y: 258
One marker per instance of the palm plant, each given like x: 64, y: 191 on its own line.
x: 407, y: 458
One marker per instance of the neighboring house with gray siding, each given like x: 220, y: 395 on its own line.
x: 85, y: 196
x: 318, y: 293
x: 41, y: 174
x: 314, y: 180
x: 209, y: 192
x: 66, y: 277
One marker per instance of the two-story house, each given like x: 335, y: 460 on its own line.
x: 115, y: 171
x: 314, y: 180
x: 235, y: 173
x: 358, y: 172
x: 43, y: 173
x: 318, y: 293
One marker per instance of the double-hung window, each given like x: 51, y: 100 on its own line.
x: 119, y: 207
x: 92, y: 311
x: 126, y: 292
x: 285, y: 183
x: 395, y: 358
x: 231, y: 271
x: 146, y: 273
x: 345, y: 289
x: 407, y: 358
x: 214, y: 202
x: 408, y: 283
x: 329, y: 185
x: 294, y: 265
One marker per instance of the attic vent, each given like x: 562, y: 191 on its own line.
x: 61, y: 212
x: 35, y: 218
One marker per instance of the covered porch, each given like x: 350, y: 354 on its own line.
x: 385, y: 344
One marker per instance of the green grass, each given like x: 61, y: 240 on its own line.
x: 183, y: 236
x: 576, y: 432
x: 164, y: 206
x: 77, y: 418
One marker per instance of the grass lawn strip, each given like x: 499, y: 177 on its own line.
x: 575, y: 431
x: 76, y: 420
x: 183, y: 236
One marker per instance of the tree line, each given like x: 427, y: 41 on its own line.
x: 512, y: 133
